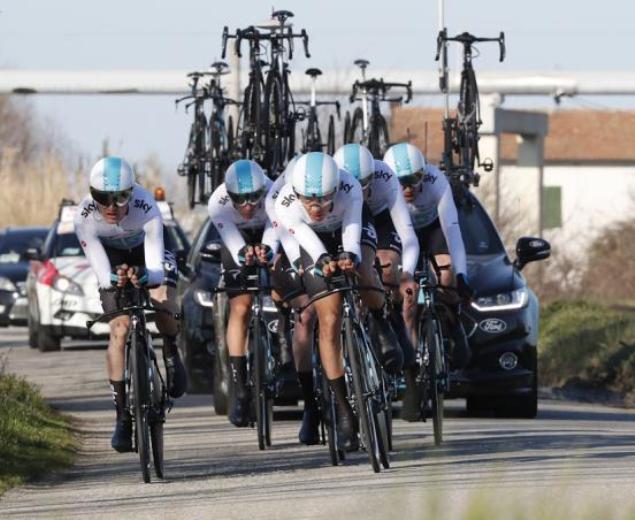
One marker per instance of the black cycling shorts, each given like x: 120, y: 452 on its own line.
x: 431, y: 240
x: 332, y: 241
x: 387, y: 236
x: 135, y: 257
x: 286, y: 281
x: 234, y: 274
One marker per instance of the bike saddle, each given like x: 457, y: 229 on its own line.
x: 362, y: 63
x: 220, y: 67
x: 282, y: 15
x: 313, y: 72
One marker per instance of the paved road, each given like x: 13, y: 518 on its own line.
x: 572, y: 458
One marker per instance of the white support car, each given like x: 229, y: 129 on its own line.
x: 62, y: 288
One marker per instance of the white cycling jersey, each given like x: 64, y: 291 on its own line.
x: 345, y: 213
x: 142, y: 224
x: 384, y: 193
x: 229, y: 222
x: 289, y: 244
x: 434, y: 200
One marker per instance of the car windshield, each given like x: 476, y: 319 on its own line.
x: 67, y: 244
x: 478, y: 231
x: 13, y: 245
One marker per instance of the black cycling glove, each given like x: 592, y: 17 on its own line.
x: 463, y: 287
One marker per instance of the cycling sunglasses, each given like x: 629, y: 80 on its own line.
x: 243, y: 199
x: 322, y: 200
x: 111, y: 198
x: 411, y: 180
x: 366, y: 182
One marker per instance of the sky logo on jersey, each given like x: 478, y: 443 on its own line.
x: 428, y: 177
x: 142, y: 205
x: 288, y: 200
x: 345, y: 187
x: 385, y: 176
x: 89, y: 209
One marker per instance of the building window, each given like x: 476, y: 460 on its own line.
x: 551, y: 207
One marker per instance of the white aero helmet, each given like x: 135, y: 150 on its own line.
x: 405, y: 160
x: 288, y: 170
x: 111, y: 181
x: 245, y: 182
x: 356, y: 160
x: 315, y: 174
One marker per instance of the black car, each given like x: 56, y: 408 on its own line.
x: 502, y: 320
x: 202, y: 338
x: 14, y: 267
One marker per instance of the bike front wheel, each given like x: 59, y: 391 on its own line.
x: 262, y: 398
x: 141, y: 401
x: 363, y: 404
x: 436, y: 378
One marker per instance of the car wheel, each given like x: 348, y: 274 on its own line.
x: 33, y: 336
x: 477, y: 405
x: 47, y: 342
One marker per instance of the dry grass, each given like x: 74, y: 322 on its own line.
x: 32, y: 189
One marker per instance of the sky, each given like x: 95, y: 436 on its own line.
x: 158, y: 34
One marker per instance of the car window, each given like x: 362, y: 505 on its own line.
x: 13, y: 245
x: 479, y: 234
x: 67, y: 244
x: 206, y: 234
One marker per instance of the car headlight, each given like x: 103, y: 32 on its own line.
x: 66, y: 285
x: 502, y: 302
x: 204, y: 298
x: 7, y: 285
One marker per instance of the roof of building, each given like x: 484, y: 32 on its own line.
x: 574, y: 135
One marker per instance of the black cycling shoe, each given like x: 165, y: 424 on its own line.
x: 411, y: 405
x: 122, y: 436
x: 383, y: 336
x: 177, y: 378
x: 346, y: 431
x: 240, y: 412
x: 309, y: 431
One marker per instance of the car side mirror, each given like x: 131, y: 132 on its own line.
x: 531, y: 249
x: 33, y: 253
x: 211, y: 252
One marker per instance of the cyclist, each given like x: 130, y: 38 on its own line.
x: 395, y: 234
x: 322, y: 209
x: 288, y: 287
x: 237, y: 211
x: 121, y: 232
x: 434, y: 216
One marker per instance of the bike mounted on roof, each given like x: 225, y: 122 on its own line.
x: 461, y: 153
x: 368, y: 126
x: 210, y: 146
x: 266, y: 125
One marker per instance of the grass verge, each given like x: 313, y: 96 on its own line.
x: 589, y: 345
x: 34, y: 438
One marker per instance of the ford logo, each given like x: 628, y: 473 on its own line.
x: 273, y: 326
x: 492, y: 326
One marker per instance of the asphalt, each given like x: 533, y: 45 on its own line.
x: 574, y: 459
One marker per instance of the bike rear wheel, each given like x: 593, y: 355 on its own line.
x: 379, y: 139
x: 330, y: 136
x: 356, y: 131
x: 157, y: 420
x: 468, y: 120
x: 274, y: 124
x: 347, y: 128
x: 141, y: 401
